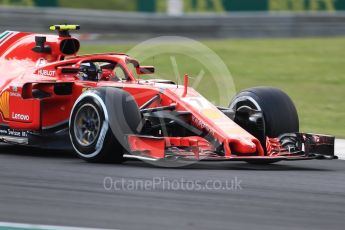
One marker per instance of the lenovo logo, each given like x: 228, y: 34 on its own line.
x: 21, y: 117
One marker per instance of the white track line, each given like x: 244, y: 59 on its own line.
x: 45, y: 227
x: 340, y: 148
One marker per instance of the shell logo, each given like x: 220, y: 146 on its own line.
x: 4, y: 104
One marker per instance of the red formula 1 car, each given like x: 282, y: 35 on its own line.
x: 52, y: 98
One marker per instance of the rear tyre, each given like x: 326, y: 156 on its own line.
x: 99, y: 122
x: 279, y: 113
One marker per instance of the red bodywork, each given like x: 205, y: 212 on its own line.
x: 23, y: 70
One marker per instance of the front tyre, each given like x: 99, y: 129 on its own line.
x: 99, y: 122
x: 279, y: 113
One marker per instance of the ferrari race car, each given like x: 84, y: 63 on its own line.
x: 53, y: 98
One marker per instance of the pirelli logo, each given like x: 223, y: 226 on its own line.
x: 4, y: 104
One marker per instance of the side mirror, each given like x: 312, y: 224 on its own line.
x: 67, y: 70
x: 145, y: 70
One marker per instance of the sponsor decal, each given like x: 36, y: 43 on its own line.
x: 5, y: 35
x: 211, y: 113
x: 4, y: 104
x: 197, y: 102
x: 201, y: 125
x: 14, y: 88
x: 101, y: 137
x: 21, y: 117
x: 46, y: 73
x: 15, y: 94
x: 41, y: 62
x: 85, y: 89
x: 13, y: 132
x: 3, y: 131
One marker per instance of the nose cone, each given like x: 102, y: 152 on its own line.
x: 244, y: 146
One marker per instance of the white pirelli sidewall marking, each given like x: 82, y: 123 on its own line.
x: 45, y: 227
x: 339, y: 148
x: 105, y: 125
x: 243, y: 98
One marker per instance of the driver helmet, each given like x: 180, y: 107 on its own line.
x: 90, y: 71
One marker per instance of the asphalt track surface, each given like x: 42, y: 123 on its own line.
x: 55, y: 188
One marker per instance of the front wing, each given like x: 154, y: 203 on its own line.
x: 292, y: 146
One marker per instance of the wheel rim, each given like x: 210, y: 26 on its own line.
x: 254, y: 104
x: 87, y: 125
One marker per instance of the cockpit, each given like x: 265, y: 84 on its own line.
x: 102, y: 71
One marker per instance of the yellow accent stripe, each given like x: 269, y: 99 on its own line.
x: 4, y: 104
